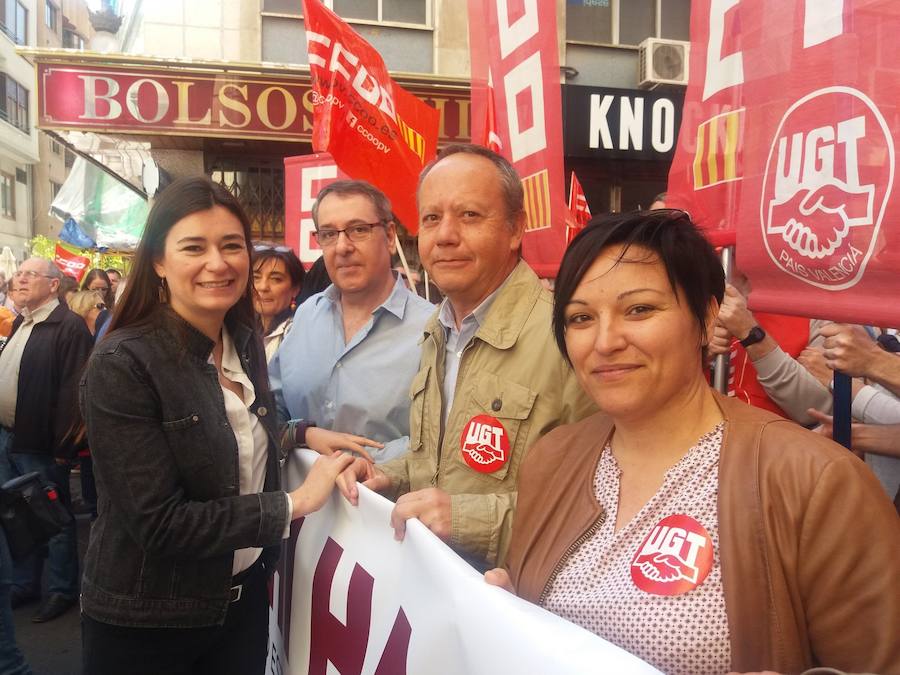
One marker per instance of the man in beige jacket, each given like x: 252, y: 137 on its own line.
x: 491, y: 381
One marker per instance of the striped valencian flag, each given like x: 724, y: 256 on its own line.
x: 413, y: 138
x: 718, y: 157
x: 578, y: 209
x: 537, y: 200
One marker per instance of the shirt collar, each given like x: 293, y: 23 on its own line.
x: 232, y: 367
x: 395, y: 303
x: 42, y: 312
x: 479, y: 314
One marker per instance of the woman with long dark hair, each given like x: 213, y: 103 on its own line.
x: 182, y: 430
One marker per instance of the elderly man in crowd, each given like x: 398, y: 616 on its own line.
x: 491, y: 380
x: 39, y: 366
x: 342, y: 374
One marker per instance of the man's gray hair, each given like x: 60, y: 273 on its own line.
x: 510, y: 183
x: 53, y: 271
x: 344, y: 188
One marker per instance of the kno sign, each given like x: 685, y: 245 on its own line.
x: 193, y: 102
x: 620, y: 123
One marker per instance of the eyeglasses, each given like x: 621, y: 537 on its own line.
x: 261, y: 248
x: 30, y: 274
x: 355, y: 233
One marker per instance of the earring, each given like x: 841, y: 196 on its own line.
x: 163, y: 290
x: 294, y: 305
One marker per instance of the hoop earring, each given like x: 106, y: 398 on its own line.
x: 163, y: 290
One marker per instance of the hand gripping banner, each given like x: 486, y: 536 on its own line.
x: 347, y: 598
x: 375, y: 130
x: 788, y: 148
x: 515, y: 86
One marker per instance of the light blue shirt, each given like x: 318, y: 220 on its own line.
x: 361, y: 387
x: 457, y: 341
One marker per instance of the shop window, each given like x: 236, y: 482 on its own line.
x: 51, y: 15
x: 7, y: 196
x: 626, y: 22
x: 283, y: 7
x: 260, y: 190
x: 14, y: 103
x: 14, y: 20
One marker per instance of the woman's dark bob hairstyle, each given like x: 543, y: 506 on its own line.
x: 263, y: 252
x: 690, y: 261
x: 144, y: 293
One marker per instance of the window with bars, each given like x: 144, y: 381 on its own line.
x: 55, y: 148
x: 7, y: 195
x: 14, y: 103
x: 54, y: 189
x: 260, y: 190
x: 14, y: 20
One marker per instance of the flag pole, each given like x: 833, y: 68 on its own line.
x: 843, y: 400
x: 409, y: 280
x: 720, y: 375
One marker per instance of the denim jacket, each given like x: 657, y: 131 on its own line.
x: 166, y: 465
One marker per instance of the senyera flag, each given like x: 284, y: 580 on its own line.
x: 789, y: 142
x: 374, y: 129
x: 515, y: 90
x: 579, y: 210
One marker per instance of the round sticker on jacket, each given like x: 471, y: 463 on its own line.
x: 675, y: 557
x: 485, y: 444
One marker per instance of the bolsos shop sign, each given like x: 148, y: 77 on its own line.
x: 621, y: 123
x: 202, y: 103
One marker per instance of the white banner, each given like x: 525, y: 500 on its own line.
x: 351, y: 600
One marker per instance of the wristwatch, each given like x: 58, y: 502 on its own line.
x: 756, y: 334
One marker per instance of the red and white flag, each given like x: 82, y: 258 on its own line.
x: 374, y: 129
x: 787, y: 149
x: 578, y: 208
x: 70, y: 262
x: 491, y: 137
x: 515, y: 70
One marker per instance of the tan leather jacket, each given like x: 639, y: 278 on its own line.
x: 810, y: 546
x: 513, y: 371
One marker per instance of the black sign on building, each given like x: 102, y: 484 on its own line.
x: 620, y: 143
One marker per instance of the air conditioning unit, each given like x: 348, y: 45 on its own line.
x: 663, y: 62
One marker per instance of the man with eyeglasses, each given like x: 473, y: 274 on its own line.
x: 341, y: 376
x: 39, y: 366
x: 491, y: 381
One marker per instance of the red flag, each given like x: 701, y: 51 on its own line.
x: 491, y: 138
x: 374, y: 129
x: 578, y: 208
x: 514, y: 47
x: 70, y: 262
x: 787, y: 146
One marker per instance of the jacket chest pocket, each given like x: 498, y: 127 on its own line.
x: 189, y: 443
x: 484, y: 447
x: 417, y: 409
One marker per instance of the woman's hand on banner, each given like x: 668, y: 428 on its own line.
x: 499, y: 577
x: 319, y: 483
x: 361, y: 470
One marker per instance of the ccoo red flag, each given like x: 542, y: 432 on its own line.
x: 70, y: 262
x: 374, y: 129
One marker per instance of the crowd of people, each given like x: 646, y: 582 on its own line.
x: 566, y: 444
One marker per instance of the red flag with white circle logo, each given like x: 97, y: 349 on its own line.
x: 788, y: 148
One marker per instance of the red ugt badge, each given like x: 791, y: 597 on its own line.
x: 675, y: 557
x: 485, y: 444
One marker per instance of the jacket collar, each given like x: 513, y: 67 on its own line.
x: 200, y: 345
x: 509, y: 311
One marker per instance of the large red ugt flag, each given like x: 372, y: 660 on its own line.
x: 787, y: 147
x: 374, y: 129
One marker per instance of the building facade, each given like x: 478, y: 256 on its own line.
x: 198, y: 48
x: 18, y: 137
